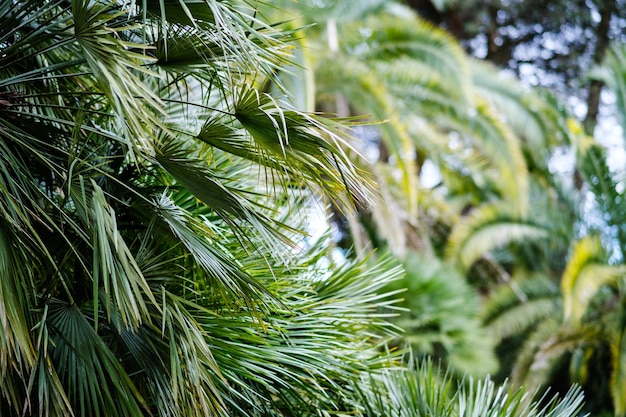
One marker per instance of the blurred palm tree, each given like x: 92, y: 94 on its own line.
x: 564, y: 321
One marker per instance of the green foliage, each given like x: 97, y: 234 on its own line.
x: 441, y: 317
x: 153, y: 263
x: 152, y: 177
x: 517, y: 307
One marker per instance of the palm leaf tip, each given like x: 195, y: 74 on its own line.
x: 303, y: 145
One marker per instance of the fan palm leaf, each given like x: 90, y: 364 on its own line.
x: 489, y: 227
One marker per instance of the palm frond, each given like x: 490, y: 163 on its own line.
x: 115, y: 268
x: 423, y: 390
x: 315, y: 341
x: 547, y: 344
x: 441, y: 317
x: 391, y: 37
x: 304, y: 144
x: 485, y: 398
x: 603, y: 184
x: 418, y: 390
x: 84, y: 361
x: 101, y: 32
x: 585, y: 273
x: 512, y: 311
x: 533, y: 117
x: 487, y: 228
x: 17, y: 350
x: 233, y: 28
x: 361, y: 86
x: 229, y: 201
x: 497, y: 141
x: 219, y: 266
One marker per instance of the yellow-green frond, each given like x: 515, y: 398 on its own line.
x: 487, y: 228
x: 584, y: 274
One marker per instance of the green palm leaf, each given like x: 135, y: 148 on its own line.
x: 356, y: 81
x: 115, y: 268
x: 515, y: 308
x: 585, y: 273
x: 423, y: 390
x: 84, y: 362
x: 305, y: 144
x: 548, y: 343
x: 534, y: 119
x: 411, y: 38
x: 487, y: 228
x: 441, y: 317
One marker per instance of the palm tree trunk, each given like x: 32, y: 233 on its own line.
x: 595, y: 86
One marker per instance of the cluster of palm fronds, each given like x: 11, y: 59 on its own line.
x: 149, y: 262
x: 151, y: 257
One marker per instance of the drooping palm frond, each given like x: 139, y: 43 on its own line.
x: 392, y: 37
x: 513, y: 310
x: 390, y: 68
x: 356, y: 81
x: 585, y: 273
x: 307, y: 145
x: 486, y: 228
x: 534, y: 117
x: 498, y: 142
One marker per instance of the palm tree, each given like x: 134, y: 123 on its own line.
x: 493, y: 160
